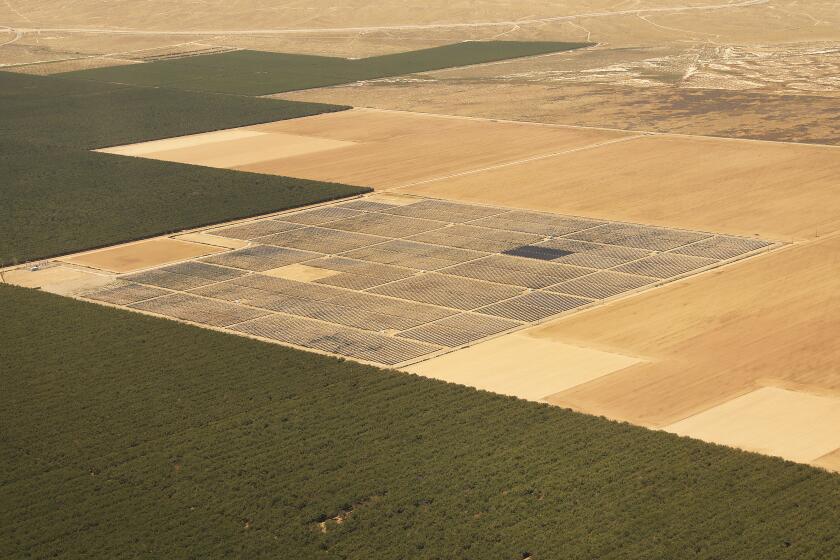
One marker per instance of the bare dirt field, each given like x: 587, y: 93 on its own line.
x: 771, y: 321
x: 738, y: 187
x: 498, y: 366
x: 140, y: 255
x: 229, y: 149
x: 215, y: 240
x: 699, y: 111
x: 791, y: 424
x: 728, y: 186
x: 373, y: 148
x: 62, y: 280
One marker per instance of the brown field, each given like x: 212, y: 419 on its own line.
x: 382, y: 149
x: 56, y: 279
x: 778, y: 191
x: 230, y: 149
x: 497, y: 366
x: 771, y: 321
x: 698, y: 111
x: 728, y: 186
x: 830, y: 461
x: 140, y: 255
x: 790, y: 424
x: 215, y: 240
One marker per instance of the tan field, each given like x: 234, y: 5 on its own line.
x: 210, y: 239
x: 728, y: 186
x: 830, y: 461
x: 57, y: 279
x: 300, y: 273
x: 382, y: 149
x: 737, y: 187
x: 140, y: 255
x: 498, y: 366
x: 769, y: 321
x: 698, y: 111
x: 794, y: 425
x: 235, y: 148
x: 400, y: 148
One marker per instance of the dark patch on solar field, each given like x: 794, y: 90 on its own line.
x: 535, y: 252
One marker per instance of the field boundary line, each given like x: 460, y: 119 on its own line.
x: 581, y: 127
x: 517, y: 162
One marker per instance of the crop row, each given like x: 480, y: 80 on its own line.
x: 130, y: 436
x: 59, y: 197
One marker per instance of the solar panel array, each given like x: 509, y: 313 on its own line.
x: 394, y: 283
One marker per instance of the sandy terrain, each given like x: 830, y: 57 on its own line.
x: 300, y: 273
x: 209, y: 239
x: 693, y: 73
x: 707, y: 112
x: 247, y: 148
x: 776, y: 191
x: 794, y: 425
x: 140, y: 255
x: 498, y: 366
x: 380, y: 148
x: 727, y: 186
x: 57, y: 279
x: 771, y: 320
x: 830, y: 461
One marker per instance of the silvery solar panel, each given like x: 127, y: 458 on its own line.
x: 260, y: 258
x: 411, y: 280
x: 723, y: 247
x: 199, y: 310
x: 665, y: 265
x: 445, y: 211
x: 125, y: 293
x: 602, y: 285
x: 252, y: 230
x: 319, y: 216
x: 386, y: 225
x: 335, y: 339
x: 639, y: 237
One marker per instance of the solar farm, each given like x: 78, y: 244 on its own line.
x: 392, y: 283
